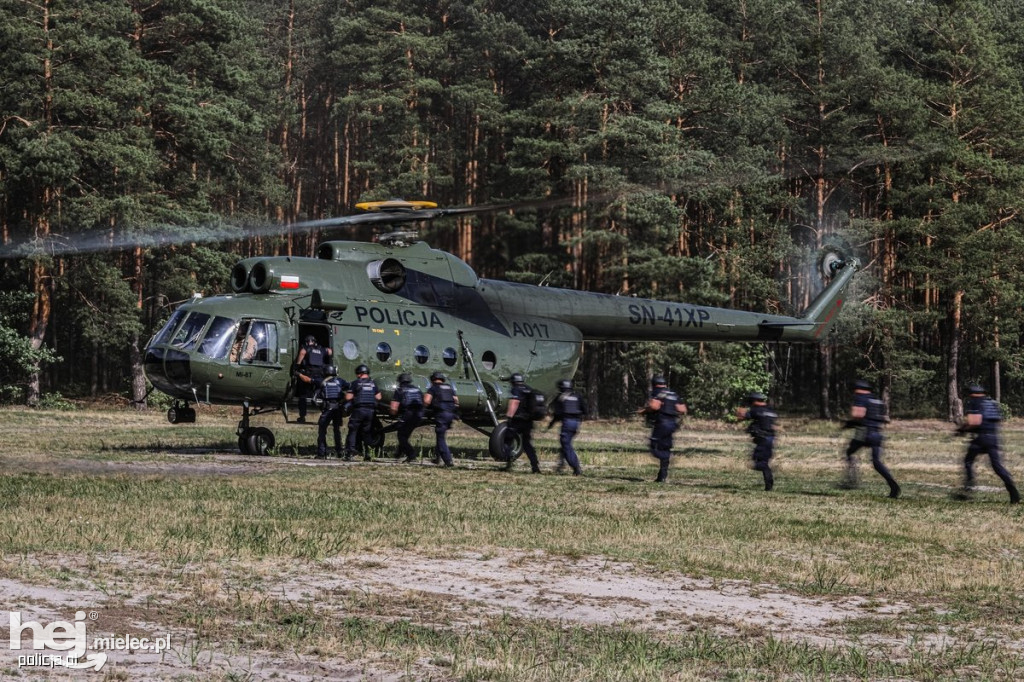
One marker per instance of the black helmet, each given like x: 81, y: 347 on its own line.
x: 862, y: 385
x: 331, y: 371
x: 516, y: 378
x: 565, y: 385
x: 362, y: 369
x: 437, y: 376
x: 976, y: 389
x: 757, y: 397
x: 405, y: 378
x: 310, y: 339
x: 658, y: 380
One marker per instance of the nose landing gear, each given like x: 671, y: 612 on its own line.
x: 181, y: 413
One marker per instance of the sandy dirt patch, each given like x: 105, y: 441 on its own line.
x: 466, y: 588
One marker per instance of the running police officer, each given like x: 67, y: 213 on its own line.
x: 332, y: 392
x: 407, y: 405
x: 568, y: 407
x: 363, y: 394
x: 520, y: 416
x: 762, y: 429
x: 443, y: 403
x: 867, y: 416
x: 663, y: 409
x: 310, y: 364
x: 983, y: 419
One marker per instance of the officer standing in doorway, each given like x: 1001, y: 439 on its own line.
x: 407, y: 405
x: 310, y: 363
x: 762, y: 429
x: 332, y: 392
x: 867, y: 416
x: 363, y: 394
x: 520, y: 419
x: 983, y: 419
x: 663, y: 409
x: 443, y: 402
x: 568, y: 407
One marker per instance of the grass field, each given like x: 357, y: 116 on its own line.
x: 288, y: 568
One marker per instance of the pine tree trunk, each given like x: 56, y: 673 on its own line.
x: 956, y: 407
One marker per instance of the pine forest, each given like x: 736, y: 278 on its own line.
x: 693, y: 150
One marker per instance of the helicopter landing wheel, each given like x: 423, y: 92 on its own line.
x: 243, y: 442
x: 260, y: 441
x: 505, y: 444
x: 181, y: 413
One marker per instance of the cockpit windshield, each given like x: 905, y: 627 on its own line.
x: 190, y: 331
x: 217, y: 341
x: 168, y: 330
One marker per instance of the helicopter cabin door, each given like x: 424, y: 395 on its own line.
x: 320, y: 332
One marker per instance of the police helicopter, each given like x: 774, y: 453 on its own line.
x: 399, y: 306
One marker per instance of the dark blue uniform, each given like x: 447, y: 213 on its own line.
x: 664, y: 423
x: 332, y: 392
x: 569, y: 409
x: 313, y: 364
x: 410, y: 413
x: 986, y: 441
x: 762, y: 429
x: 522, y: 423
x: 442, y: 405
x: 869, y: 434
x: 364, y: 405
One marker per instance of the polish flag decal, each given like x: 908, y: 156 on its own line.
x: 289, y: 282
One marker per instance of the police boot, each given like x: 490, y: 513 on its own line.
x: 965, y: 493
x: 851, y: 479
x: 1014, y: 495
x: 894, y: 490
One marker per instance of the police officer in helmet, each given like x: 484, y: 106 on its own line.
x: 983, y: 419
x: 310, y: 364
x: 520, y: 415
x: 569, y: 409
x: 762, y: 429
x: 363, y: 394
x: 332, y: 394
x: 443, y: 403
x: 407, y: 405
x: 663, y: 409
x: 867, y: 416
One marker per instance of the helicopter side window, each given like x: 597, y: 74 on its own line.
x: 188, y: 334
x: 383, y: 351
x: 218, y: 338
x: 350, y: 349
x: 422, y: 354
x: 256, y: 342
x: 450, y: 356
x: 489, y: 359
x: 167, y: 331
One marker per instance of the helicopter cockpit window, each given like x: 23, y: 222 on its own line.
x: 168, y: 329
x: 488, y: 359
x: 450, y: 356
x: 422, y: 354
x: 383, y: 351
x: 218, y: 338
x: 255, y: 342
x: 187, y: 336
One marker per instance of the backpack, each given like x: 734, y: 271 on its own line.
x: 535, y: 404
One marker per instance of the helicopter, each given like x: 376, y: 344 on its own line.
x: 398, y: 305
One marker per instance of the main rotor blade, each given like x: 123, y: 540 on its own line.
x: 61, y: 244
